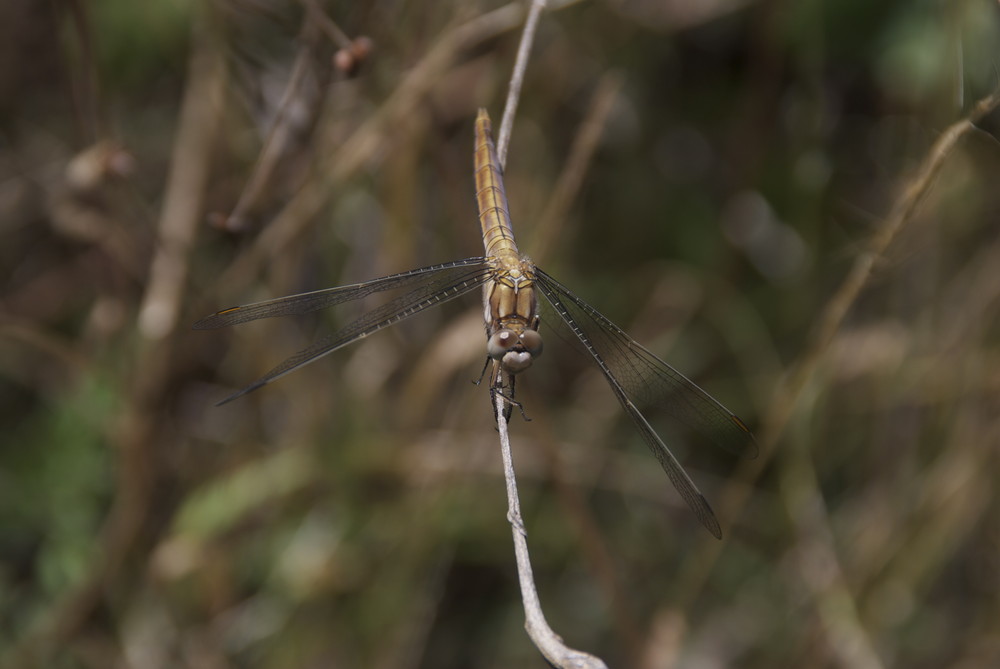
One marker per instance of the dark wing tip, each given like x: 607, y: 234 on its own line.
x: 231, y: 398
x: 707, y: 517
x: 228, y: 399
x: 240, y: 393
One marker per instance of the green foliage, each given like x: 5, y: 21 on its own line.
x: 140, y: 44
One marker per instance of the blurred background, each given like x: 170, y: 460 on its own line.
x: 705, y: 173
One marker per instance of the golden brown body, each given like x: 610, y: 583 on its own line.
x: 509, y: 302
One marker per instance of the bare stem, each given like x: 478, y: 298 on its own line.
x: 575, y: 167
x: 337, y: 161
x: 280, y: 134
x: 547, y: 641
x: 316, y: 13
x: 803, y: 371
x: 139, y: 429
x: 517, y: 79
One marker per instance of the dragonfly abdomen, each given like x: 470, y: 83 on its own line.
x: 494, y: 213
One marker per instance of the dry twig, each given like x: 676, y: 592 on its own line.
x: 790, y: 390
x: 547, y: 641
x: 340, y: 162
x: 139, y: 430
x: 517, y: 79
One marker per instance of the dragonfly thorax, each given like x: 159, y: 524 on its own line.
x: 514, y: 351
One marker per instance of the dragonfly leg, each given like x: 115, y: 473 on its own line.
x: 517, y: 523
x: 482, y: 374
x: 504, y: 388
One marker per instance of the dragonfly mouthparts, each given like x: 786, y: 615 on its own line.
x: 515, y: 351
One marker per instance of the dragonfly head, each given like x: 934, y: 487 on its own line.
x: 514, y: 350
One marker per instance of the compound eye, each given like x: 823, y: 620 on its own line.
x: 500, y: 343
x: 532, y: 342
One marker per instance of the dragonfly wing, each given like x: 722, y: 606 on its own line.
x: 646, y: 379
x: 636, y: 374
x: 437, y: 285
x: 304, y: 303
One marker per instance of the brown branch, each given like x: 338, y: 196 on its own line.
x: 790, y: 389
x: 347, y: 157
x: 316, y: 15
x: 86, y: 83
x: 136, y: 436
x: 594, y: 544
x: 283, y: 127
x: 517, y: 79
x: 547, y: 641
x: 570, y: 181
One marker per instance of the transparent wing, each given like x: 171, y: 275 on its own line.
x: 434, y: 285
x: 304, y: 303
x: 636, y: 376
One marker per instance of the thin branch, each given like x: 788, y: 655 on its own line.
x: 339, y: 160
x: 85, y: 83
x: 547, y: 641
x: 571, y: 179
x: 138, y: 432
x: 793, y: 385
x: 593, y: 542
x: 901, y: 214
x: 316, y: 14
x: 282, y: 127
x: 517, y: 79
x: 849, y: 641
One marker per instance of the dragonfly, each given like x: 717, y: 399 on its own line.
x: 511, y: 284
